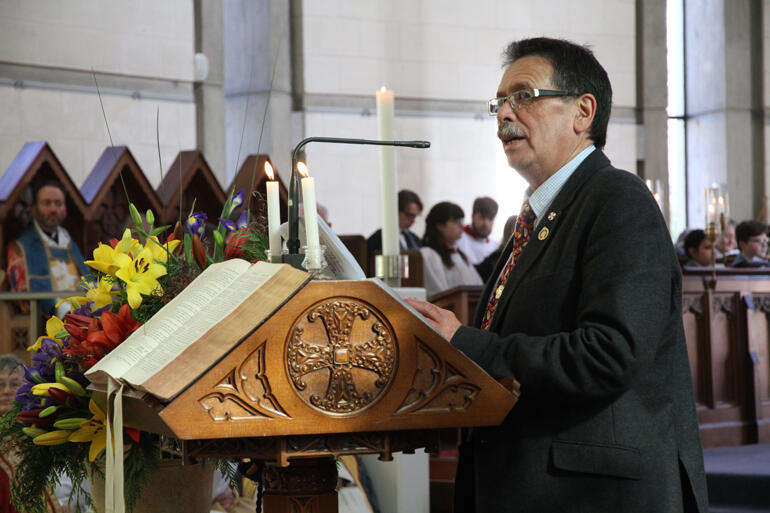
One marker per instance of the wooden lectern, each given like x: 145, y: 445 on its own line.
x: 342, y: 368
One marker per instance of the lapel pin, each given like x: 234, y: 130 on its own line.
x: 551, y: 216
x: 543, y: 234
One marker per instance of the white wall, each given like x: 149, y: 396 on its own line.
x: 446, y: 52
x: 143, y: 43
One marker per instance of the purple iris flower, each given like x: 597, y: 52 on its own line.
x: 85, y: 310
x: 196, y: 223
x: 45, y: 360
x: 243, y: 219
x: 237, y: 201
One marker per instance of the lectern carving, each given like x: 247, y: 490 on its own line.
x: 343, y: 367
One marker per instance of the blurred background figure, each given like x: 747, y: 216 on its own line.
x: 475, y: 242
x: 444, y: 266
x: 752, y: 244
x: 699, y: 249
x: 726, y: 243
x: 487, y: 266
x: 409, y: 207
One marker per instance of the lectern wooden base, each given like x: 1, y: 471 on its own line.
x: 305, y: 486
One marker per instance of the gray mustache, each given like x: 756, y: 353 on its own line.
x: 510, y: 130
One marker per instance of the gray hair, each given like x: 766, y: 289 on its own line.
x: 9, y: 362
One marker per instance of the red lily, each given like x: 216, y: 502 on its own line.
x: 99, y: 336
x: 238, y: 239
x: 199, y: 253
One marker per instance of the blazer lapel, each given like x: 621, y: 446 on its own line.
x: 546, y: 228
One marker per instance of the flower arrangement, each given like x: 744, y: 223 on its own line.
x: 54, y: 425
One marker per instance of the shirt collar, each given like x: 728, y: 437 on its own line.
x: 542, y: 197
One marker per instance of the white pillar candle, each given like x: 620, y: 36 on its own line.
x: 311, y: 217
x: 387, y: 173
x: 273, y: 214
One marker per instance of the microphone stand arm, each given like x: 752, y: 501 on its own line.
x: 293, y: 242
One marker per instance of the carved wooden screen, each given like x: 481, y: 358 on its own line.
x: 103, y: 190
x: 190, y: 176
x: 35, y: 163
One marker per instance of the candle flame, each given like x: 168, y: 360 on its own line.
x: 302, y: 169
x: 383, y: 89
x: 269, y: 170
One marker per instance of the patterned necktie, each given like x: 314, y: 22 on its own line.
x: 524, y: 226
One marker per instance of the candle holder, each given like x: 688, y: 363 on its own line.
x: 275, y: 258
x: 717, y: 208
x: 391, y: 268
x: 315, y: 262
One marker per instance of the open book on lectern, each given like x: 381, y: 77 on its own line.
x: 201, y: 325
x: 222, y: 306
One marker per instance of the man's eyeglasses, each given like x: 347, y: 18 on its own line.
x: 522, y: 99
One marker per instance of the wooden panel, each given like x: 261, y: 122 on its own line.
x: 190, y: 179
x: 339, y: 357
x: 463, y: 301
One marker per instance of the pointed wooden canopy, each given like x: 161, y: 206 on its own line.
x: 103, y: 190
x: 191, y: 174
x: 34, y: 164
x: 252, y: 173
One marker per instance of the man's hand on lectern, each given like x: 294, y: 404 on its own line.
x: 443, y: 320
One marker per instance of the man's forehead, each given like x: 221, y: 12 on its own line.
x: 527, y: 72
x: 50, y: 191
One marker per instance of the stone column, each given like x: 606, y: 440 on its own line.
x: 209, y: 93
x: 725, y: 132
x: 652, y: 97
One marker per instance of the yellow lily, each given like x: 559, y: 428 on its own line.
x: 160, y: 251
x: 104, y: 259
x: 102, y: 294
x: 104, y: 254
x: 94, y: 431
x: 53, y: 326
x: 140, y: 275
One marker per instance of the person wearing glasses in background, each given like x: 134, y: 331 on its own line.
x: 752, y: 243
x: 583, y: 310
x: 409, y: 207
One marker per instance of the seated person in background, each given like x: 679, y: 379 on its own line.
x: 409, y: 207
x: 487, y: 266
x: 444, y: 267
x: 44, y: 257
x: 699, y: 249
x: 11, y: 378
x: 752, y: 243
x: 475, y: 242
x: 726, y: 243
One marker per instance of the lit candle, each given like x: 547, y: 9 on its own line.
x: 387, y: 174
x: 273, y: 214
x: 311, y: 217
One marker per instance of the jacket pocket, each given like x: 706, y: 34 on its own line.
x: 592, y: 458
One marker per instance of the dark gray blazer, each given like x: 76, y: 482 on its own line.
x: 590, y: 324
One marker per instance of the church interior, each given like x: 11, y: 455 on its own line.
x: 177, y: 104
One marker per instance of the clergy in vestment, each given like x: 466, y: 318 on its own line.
x: 44, y: 257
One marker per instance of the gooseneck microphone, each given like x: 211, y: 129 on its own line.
x: 293, y: 242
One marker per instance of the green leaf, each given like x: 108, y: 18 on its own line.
x: 159, y: 229
x: 188, y: 248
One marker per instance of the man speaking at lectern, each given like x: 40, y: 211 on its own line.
x: 584, y: 311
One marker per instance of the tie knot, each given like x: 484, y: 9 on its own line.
x: 527, y: 215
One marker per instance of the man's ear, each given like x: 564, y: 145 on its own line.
x: 586, y: 110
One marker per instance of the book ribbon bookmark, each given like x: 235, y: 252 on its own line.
x: 114, y: 499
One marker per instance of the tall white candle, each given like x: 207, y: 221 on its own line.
x: 273, y: 214
x: 311, y: 217
x: 387, y: 173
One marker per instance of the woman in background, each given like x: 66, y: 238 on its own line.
x: 444, y: 266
